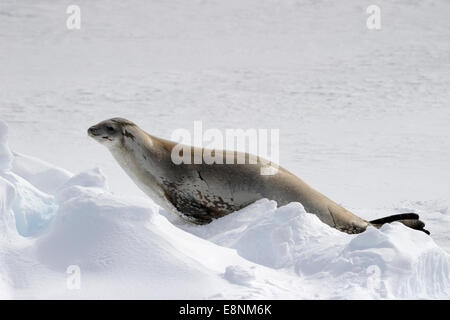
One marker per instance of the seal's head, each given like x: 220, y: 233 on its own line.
x: 110, y: 132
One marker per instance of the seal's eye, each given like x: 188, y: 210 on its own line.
x: 110, y: 129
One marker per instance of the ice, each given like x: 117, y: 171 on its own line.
x: 33, y: 209
x: 7, y: 197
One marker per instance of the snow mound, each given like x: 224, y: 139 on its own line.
x: 408, y: 262
x: 55, y: 225
x: 40, y: 174
x: 122, y: 251
x: 392, y: 262
x: 267, y: 235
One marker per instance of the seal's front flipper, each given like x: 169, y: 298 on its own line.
x: 408, y: 219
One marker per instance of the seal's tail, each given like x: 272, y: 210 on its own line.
x: 408, y: 219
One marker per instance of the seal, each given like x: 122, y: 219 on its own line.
x: 203, y: 192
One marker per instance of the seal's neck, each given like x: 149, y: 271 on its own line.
x: 134, y: 150
x: 137, y: 157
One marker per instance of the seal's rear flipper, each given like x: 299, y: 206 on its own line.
x: 408, y: 219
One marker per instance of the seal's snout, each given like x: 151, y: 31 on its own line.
x: 104, y: 132
x: 93, y: 131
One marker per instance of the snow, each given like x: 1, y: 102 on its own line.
x: 5, y: 154
x: 44, y: 176
x: 130, y: 249
x: 363, y: 117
